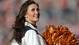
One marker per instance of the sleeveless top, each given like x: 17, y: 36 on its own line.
x: 31, y: 36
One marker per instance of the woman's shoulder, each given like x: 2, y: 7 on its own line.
x: 14, y: 42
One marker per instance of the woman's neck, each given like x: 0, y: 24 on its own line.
x: 31, y: 22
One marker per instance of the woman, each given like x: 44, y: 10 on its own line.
x: 26, y: 32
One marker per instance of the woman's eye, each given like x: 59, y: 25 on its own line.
x: 33, y: 9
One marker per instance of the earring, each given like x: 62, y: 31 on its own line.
x: 26, y: 17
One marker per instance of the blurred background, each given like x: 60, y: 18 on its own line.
x: 57, y: 12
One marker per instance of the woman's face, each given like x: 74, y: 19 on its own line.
x: 32, y: 13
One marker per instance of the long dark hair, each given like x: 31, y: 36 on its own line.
x: 20, y: 20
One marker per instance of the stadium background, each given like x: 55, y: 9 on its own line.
x: 64, y: 12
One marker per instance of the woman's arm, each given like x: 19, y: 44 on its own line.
x: 30, y: 38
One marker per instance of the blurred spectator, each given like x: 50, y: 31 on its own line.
x: 47, y: 6
x: 8, y: 10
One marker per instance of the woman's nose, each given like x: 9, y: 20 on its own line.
x: 36, y: 12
